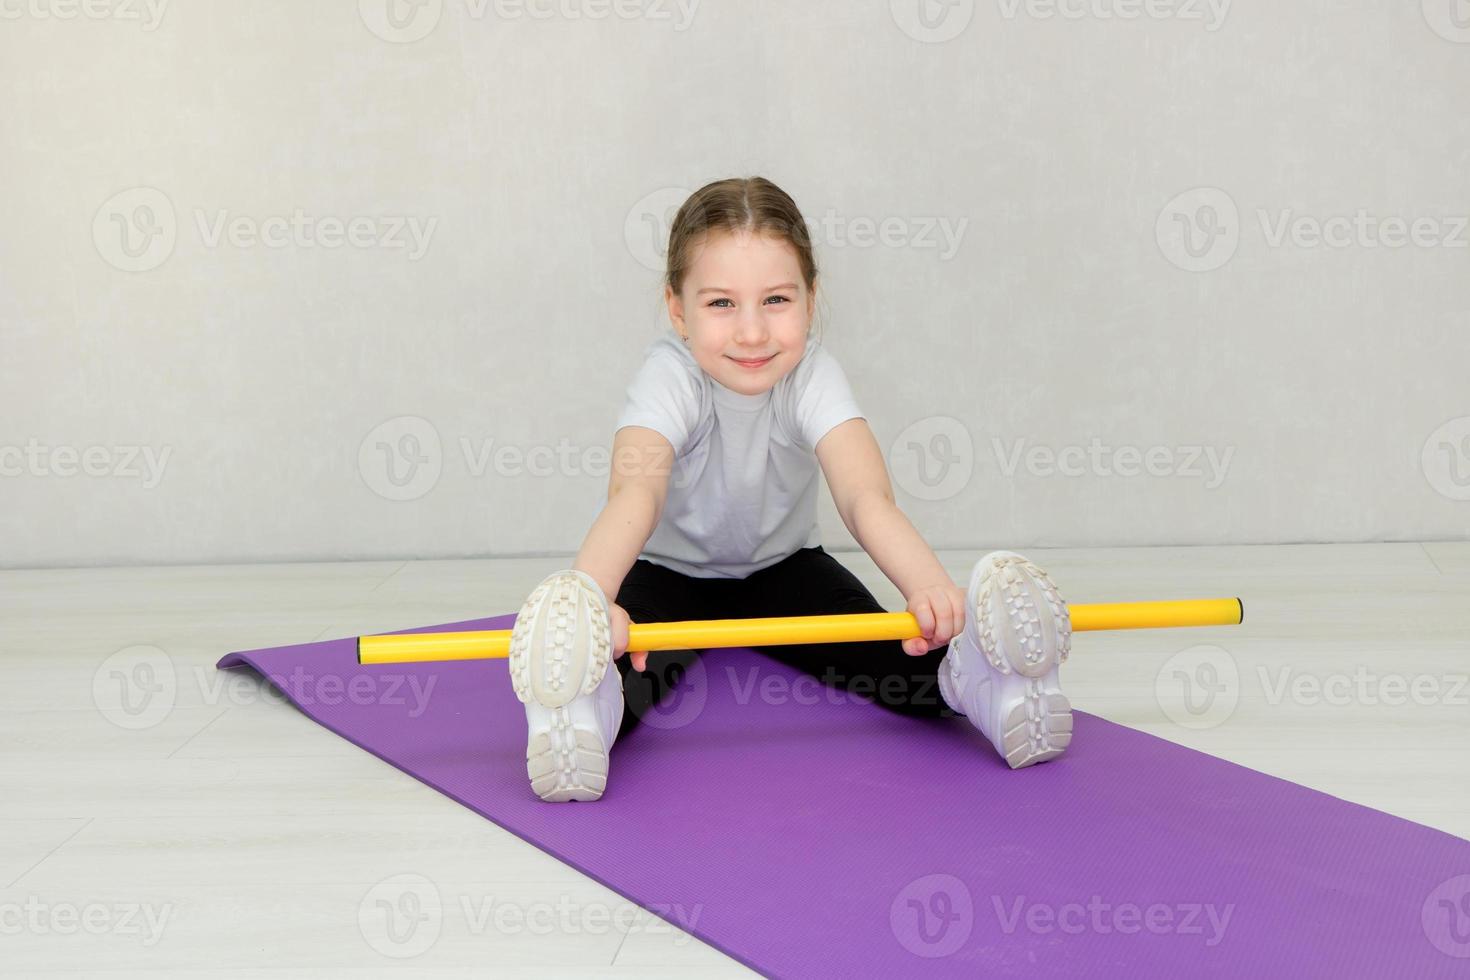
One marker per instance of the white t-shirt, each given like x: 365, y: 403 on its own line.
x: 743, y: 491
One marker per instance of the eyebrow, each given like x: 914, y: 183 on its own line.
x: 722, y: 289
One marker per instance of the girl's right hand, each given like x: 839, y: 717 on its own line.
x: 618, y: 620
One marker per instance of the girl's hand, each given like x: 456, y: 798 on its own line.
x: 618, y: 621
x: 940, y: 610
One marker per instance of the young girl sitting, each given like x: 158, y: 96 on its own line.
x: 711, y: 514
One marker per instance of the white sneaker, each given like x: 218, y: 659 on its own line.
x: 560, y: 665
x: 1001, y: 670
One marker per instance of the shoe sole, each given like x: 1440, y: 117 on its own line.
x: 1023, y: 630
x: 560, y: 649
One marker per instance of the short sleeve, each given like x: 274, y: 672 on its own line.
x: 824, y: 398
x: 662, y: 396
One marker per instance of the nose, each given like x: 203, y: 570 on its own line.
x: 750, y: 328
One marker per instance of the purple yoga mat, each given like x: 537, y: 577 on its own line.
x: 808, y: 834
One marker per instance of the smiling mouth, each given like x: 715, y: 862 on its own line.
x: 762, y: 360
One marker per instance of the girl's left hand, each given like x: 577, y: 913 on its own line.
x: 940, y: 610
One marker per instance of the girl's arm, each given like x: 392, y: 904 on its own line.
x: 855, y: 472
x: 638, y: 484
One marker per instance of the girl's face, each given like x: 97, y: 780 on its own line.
x: 745, y: 310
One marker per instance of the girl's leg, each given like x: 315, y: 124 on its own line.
x: 811, y: 582
x: 654, y: 594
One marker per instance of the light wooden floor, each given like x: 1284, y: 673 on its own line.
x: 262, y: 844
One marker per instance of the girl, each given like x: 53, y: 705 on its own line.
x: 711, y: 514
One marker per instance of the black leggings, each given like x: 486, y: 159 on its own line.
x: 809, y: 582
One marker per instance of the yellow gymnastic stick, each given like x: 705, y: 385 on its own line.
x: 704, y: 634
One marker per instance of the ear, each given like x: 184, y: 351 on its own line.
x: 676, y: 308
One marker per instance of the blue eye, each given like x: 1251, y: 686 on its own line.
x: 726, y: 299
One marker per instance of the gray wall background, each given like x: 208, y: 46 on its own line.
x: 279, y: 280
